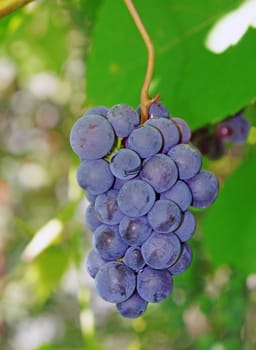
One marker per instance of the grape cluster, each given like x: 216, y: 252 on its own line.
x: 212, y: 140
x: 140, y: 195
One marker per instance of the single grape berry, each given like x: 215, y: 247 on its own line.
x: 187, y: 159
x: 160, y: 171
x: 134, y: 231
x: 133, y: 307
x: 94, y: 176
x: 133, y: 258
x: 92, y: 137
x: 161, y: 251
x: 115, y: 282
x: 108, y: 243
x: 125, y: 164
x: 145, y: 140
x: 234, y: 129
x: 136, y: 198
x: 154, y: 285
x: 204, y: 187
x: 180, y: 194
x: 165, y: 216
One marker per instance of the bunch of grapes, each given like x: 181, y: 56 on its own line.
x: 140, y: 181
x: 212, y: 140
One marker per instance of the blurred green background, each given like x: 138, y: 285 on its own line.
x: 57, y: 59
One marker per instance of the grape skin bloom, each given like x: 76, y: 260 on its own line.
x: 133, y: 307
x: 94, y: 176
x: 136, y: 198
x: 133, y: 258
x: 160, y: 172
x: 107, y: 209
x: 123, y: 119
x: 165, y: 216
x: 145, y: 140
x: 115, y: 282
x: 154, y: 285
x: 161, y: 251
x: 125, y: 164
x: 108, y: 243
x: 92, y: 137
x: 188, y: 160
x: 134, y: 231
x: 204, y: 187
x: 180, y: 194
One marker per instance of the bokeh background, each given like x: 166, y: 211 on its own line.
x: 59, y: 58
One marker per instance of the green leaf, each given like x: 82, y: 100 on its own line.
x: 26, y: 40
x: 230, y: 225
x: 48, y: 269
x: 194, y: 83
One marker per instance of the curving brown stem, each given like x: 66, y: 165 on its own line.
x: 145, y: 101
x: 8, y: 6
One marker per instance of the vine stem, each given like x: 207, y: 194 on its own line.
x: 145, y: 101
x: 8, y: 6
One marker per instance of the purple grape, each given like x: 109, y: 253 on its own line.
x: 154, y: 285
x: 180, y: 194
x: 91, y: 197
x: 108, y: 243
x: 183, y: 262
x: 133, y: 307
x: 208, y: 143
x: 94, y: 262
x: 134, y: 259
x: 187, y: 228
x: 91, y: 219
x: 168, y: 130
x: 123, y: 119
x: 125, y: 164
x: 99, y: 110
x: 185, y: 132
x: 115, y: 282
x: 107, y: 209
x: 160, y: 172
x: 165, y: 216
x: 161, y: 251
x: 119, y: 183
x: 145, y: 140
x: 134, y: 231
x: 136, y: 198
x: 94, y: 176
x: 92, y: 137
x: 204, y: 187
x: 158, y: 110
x: 188, y: 160
x: 234, y: 129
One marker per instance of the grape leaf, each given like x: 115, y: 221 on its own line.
x: 194, y: 83
x: 230, y: 225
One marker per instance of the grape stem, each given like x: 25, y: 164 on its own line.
x: 9, y: 6
x: 145, y: 101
